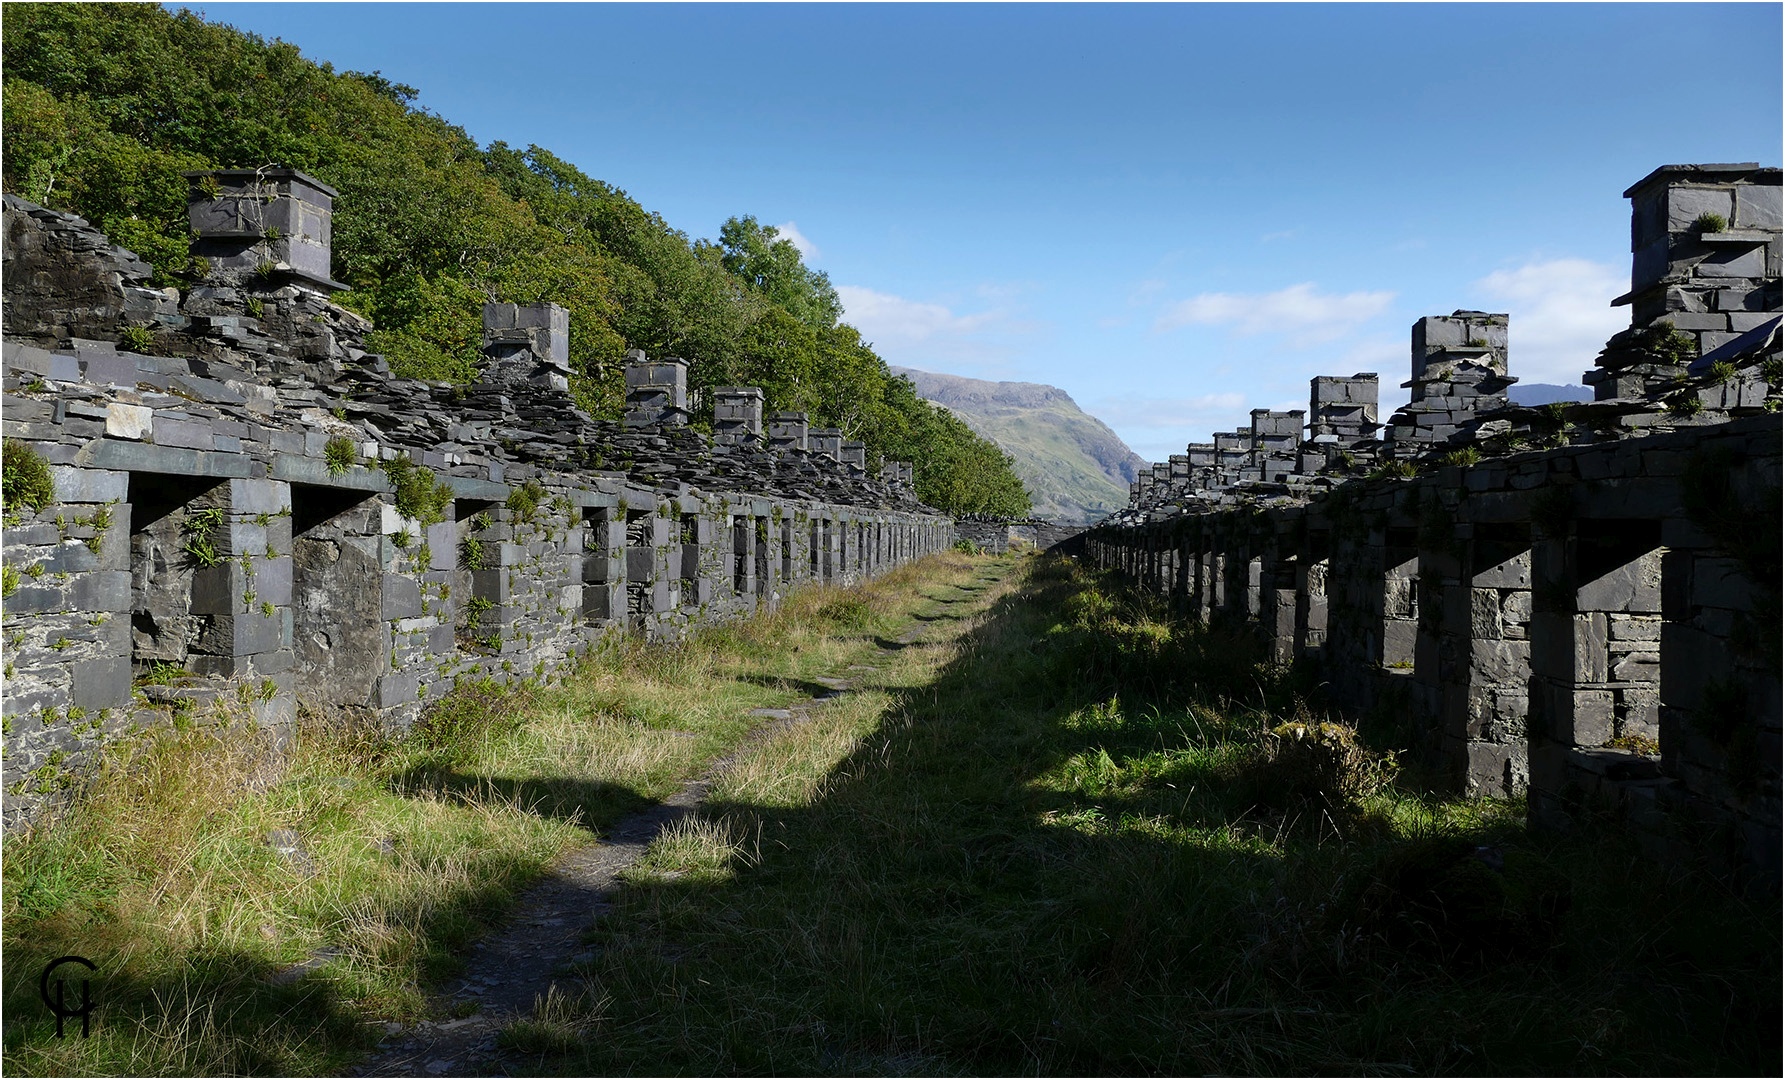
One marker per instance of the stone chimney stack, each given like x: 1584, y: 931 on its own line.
x: 1343, y: 407
x: 272, y: 222
x: 787, y: 431
x: 827, y: 441
x: 1464, y: 348
x: 1460, y: 370
x: 856, y: 454
x: 1705, y: 249
x: 526, y: 344
x: 656, y: 391
x: 737, y: 414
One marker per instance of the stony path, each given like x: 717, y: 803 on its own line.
x: 543, y: 938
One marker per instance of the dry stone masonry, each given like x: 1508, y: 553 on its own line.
x: 1576, y: 605
x: 247, y: 503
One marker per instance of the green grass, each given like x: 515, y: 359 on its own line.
x: 411, y: 846
x: 1058, y: 832
x: 1030, y: 855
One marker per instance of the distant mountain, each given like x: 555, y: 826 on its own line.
x: 1077, y: 469
x: 1544, y: 393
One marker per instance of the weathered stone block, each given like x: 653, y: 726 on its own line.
x: 1484, y: 617
x: 491, y: 585
x: 259, y: 496
x: 401, y: 598
x: 1721, y: 583
x: 1635, y: 627
x: 1757, y: 207
x: 194, y: 435
x: 1750, y: 263
x: 103, y: 682
x: 242, y: 635
x: 1685, y: 204
x: 218, y: 590
x: 1633, y: 587
x: 101, y: 590
x: 1638, y: 667
x: 1501, y: 662
x: 400, y: 688
x: 641, y: 564
x: 1591, y: 718
x: 74, y: 485
x: 129, y: 421
x: 1591, y: 649
x: 443, y: 547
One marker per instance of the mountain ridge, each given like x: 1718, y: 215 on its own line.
x: 1076, y: 468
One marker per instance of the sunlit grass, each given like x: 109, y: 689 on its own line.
x: 402, y: 849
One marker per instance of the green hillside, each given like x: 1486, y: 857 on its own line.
x: 106, y: 104
x: 1074, y: 466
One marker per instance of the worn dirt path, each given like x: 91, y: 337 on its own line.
x: 542, y: 940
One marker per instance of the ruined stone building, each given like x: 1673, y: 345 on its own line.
x: 1575, y: 605
x: 243, y: 501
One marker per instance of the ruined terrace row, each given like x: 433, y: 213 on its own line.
x: 245, y: 502
x: 1578, y: 606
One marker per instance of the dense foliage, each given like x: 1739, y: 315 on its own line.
x: 105, y: 104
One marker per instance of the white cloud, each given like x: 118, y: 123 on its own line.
x: 791, y: 233
x: 1299, y: 312
x: 930, y: 336
x: 885, y: 316
x: 1559, y: 315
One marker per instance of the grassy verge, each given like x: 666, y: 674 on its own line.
x: 1074, y: 837
x: 200, y: 865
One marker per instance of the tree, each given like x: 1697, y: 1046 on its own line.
x: 762, y: 259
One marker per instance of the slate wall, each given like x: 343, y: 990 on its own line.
x: 1588, y: 625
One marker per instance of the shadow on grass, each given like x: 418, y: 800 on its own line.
x: 975, y: 890
x: 787, y: 682
x: 593, y: 805
x: 943, y: 617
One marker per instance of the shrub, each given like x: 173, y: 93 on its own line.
x: 523, y: 502
x: 418, y: 495
x: 471, y: 712
x: 1685, y: 403
x: 1394, y: 470
x: 1465, y: 457
x: 1666, y: 343
x: 24, y: 477
x: 849, y: 611
x: 1318, y: 762
x: 340, y: 454
x: 197, y: 529
x: 1710, y: 222
x: 136, y: 339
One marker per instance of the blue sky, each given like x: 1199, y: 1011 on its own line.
x: 1177, y: 213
